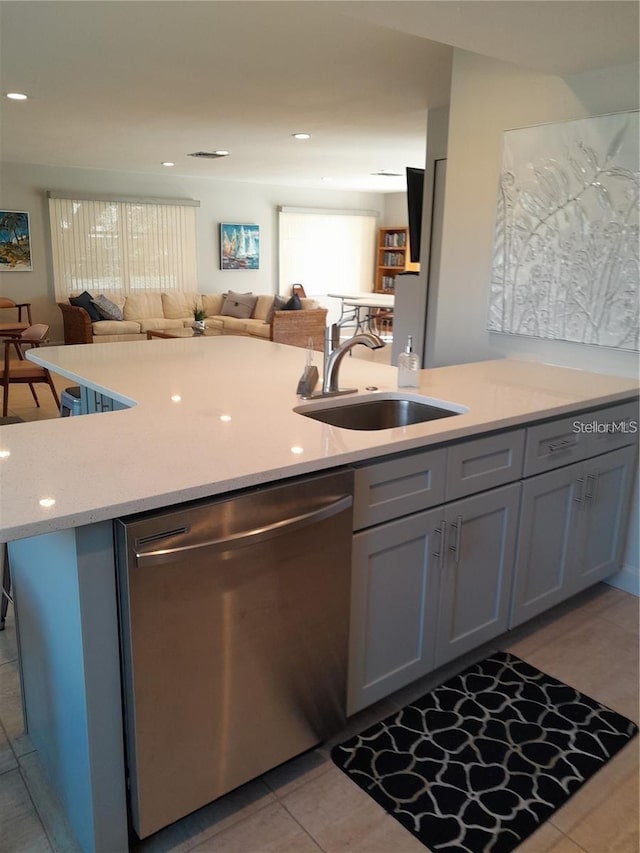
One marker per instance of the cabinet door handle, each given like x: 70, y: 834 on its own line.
x: 579, y: 499
x: 456, y: 545
x: 442, y: 532
x: 590, y: 492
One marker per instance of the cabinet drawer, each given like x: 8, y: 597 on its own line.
x: 579, y: 436
x: 610, y: 428
x: 398, y: 487
x: 474, y: 466
x: 554, y: 444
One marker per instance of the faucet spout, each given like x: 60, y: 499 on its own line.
x: 333, y: 359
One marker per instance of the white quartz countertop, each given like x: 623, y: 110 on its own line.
x: 212, y: 415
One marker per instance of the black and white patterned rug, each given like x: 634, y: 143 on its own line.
x: 480, y: 762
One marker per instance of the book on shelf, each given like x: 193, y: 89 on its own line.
x: 395, y: 239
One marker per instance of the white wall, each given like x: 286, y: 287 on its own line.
x: 395, y: 210
x: 487, y: 98
x: 24, y: 187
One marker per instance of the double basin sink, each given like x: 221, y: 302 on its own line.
x: 380, y: 411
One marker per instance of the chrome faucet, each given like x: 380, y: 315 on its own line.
x: 333, y: 358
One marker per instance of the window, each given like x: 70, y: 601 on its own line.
x: 327, y: 251
x: 122, y: 245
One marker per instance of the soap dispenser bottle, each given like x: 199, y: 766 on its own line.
x: 408, y: 367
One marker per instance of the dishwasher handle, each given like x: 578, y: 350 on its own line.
x: 245, y: 537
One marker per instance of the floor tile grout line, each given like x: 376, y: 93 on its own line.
x: 304, y: 829
x: 234, y: 823
x: 36, y: 810
x: 10, y: 745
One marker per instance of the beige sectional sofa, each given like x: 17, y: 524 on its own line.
x: 153, y: 311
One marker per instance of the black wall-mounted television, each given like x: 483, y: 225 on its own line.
x: 415, y: 192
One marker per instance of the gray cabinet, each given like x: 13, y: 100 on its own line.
x: 394, y: 605
x: 454, y: 545
x: 475, y: 583
x: 571, y: 532
x: 428, y: 586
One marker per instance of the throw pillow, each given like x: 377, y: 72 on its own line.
x: 277, y: 305
x: 85, y: 300
x: 293, y: 304
x: 107, y: 309
x: 239, y: 305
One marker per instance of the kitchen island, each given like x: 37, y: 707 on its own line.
x: 204, y: 417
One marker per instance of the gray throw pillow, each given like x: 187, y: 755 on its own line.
x: 107, y: 309
x: 239, y: 305
x: 277, y: 305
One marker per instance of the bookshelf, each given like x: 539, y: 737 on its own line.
x: 392, y: 257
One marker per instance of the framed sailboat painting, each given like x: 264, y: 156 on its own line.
x: 239, y: 246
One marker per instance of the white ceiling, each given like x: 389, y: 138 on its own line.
x: 126, y: 84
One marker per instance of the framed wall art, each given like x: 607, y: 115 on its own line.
x: 565, y: 260
x: 239, y: 246
x: 15, y: 241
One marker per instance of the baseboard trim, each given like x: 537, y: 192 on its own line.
x: 627, y: 579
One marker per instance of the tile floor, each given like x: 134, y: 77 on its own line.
x: 307, y: 804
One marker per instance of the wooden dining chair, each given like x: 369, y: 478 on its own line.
x: 17, y: 370
x: 17, y: 326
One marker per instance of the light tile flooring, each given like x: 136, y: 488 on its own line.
x: 307, y: 804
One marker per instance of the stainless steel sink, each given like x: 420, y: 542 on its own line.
x: 380, y: 412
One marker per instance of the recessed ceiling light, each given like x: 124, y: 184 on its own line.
x: 16, y: 96
x: 326, y: 179
x: 47, y: 502
x: 167, y: 163
x: 221, y: 152
x: 301, y: 135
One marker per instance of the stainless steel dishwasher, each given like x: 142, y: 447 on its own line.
x: 234, y: 629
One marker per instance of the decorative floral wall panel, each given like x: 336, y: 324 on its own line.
x: 565, y: 263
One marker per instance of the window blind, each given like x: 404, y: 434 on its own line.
x: 327, y: 252
x: 121, y: 245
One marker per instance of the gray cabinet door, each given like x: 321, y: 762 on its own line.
x: 603, y: 517
x: 394, y: 596
x: 475, y: 585
x: 547, y: 540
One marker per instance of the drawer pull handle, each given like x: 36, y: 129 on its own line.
x: 560, y: 444
x: 579, y: 498
x: 456, y: 545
